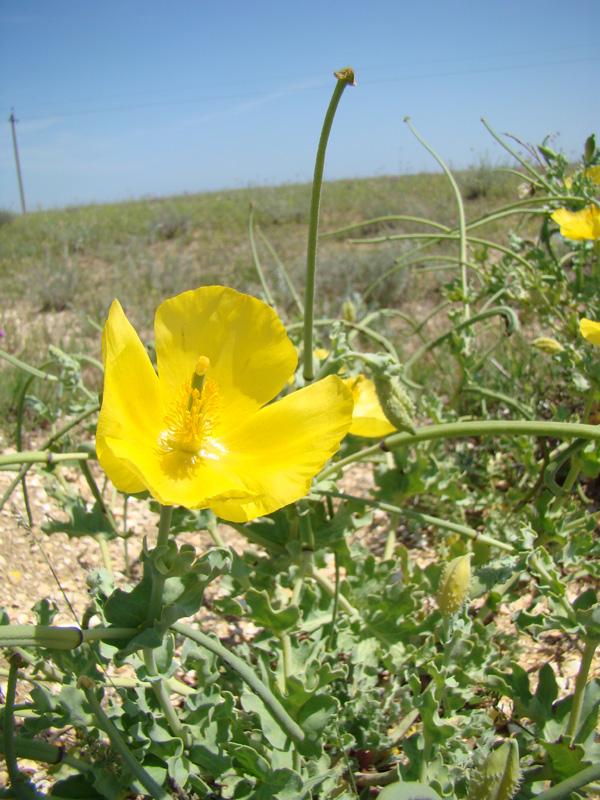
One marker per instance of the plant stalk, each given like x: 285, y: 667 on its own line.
x: 345, y: 77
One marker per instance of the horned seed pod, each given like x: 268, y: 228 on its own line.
x: 498, y: 777
x: 547, y: 345
x: 396, y: 403
x: 454, y: 585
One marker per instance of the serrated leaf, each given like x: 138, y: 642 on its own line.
x: 409, y: 790
x: 261, y: 611
x: 251, y: 761
x: 280, y: 784
x: 81, y: 522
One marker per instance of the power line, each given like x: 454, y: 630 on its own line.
x: 300, y: 88
x: 384, y: 67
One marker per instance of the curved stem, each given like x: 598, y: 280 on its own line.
x: 462, y: 225
x: 566, y: 787
x: 154, y: 790
x: 506, y: 311
x: 283, y: 271
x: 539, y: 179
x: 388, y: 218
x: 287, y: 724
x: 256, y: 260
x: 426, y: 519
x: 345, y: 77
x: 449, y: 430
x: 159, y: 686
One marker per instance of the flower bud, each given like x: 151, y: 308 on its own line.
x: 547, y: 345
x: 548, y: 153
x: 590, y: 148
x: 454, y: 585
x: 499, y: 776
x: 395, y: 402
x: 348, y: 311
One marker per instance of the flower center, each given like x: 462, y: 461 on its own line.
x: 192, y: 416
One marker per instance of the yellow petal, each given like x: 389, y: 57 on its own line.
x: 590, y: 330
x: 584, y: 224
x: 278, y: 450
x: 132, y: 408
x: 594, y: 174
x: 368, y: 418
x: 251, y: 357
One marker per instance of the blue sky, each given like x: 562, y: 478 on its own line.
x: 123, y: 99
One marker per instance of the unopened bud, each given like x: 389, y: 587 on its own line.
x: 454, y: 585
x: 547, y: 152
x: 349, y: 311
x: 547, y: 345
x: 499, y: 776
x: 395, y: 402
x: 590, y: 148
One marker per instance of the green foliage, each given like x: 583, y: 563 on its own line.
x: 341, y: 676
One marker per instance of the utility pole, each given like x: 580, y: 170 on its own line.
x: 12, y: 121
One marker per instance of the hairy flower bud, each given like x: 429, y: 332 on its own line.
x: 499, y: 776
x: 454, y: 585
x: 590, y: 148
x: 396, y: 403
x: 348, y: 311
x: 547, y: 345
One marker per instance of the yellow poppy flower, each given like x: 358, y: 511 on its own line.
x: 368, y: 418
x: 584, y: 224
x: 199, y: 433
x: 590, y: 330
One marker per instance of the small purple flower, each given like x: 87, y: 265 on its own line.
x: 2, y: 333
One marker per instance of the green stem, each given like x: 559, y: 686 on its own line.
x: 103, y: 545
x: 390, y: 542
x: 213, y: 529
x: 388, y: 218
x: 283, y: 271
x: 287, y: 724
x: 336, y: 603
x: 534, y: 563
x: 159, y: 686
x: 501, y: 398
x: 97, y: 494
x: 437, y: 237
x: 425, y: 519
x: 539, y: 179
x: 154, y: 790
x: 8, y: 725
x: 22, y: 472
x: 40, y: 457
x: 575, y: 465
x: 330, y: 588
x: 345, y: 77
x: 158, y: 580
x: 505, y: 311
x: 580, y: 684
x: 256, y: 260
x: 37, y: 373
x: 462, y: 226
x: 566, y: 787
x: 450, y: 430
